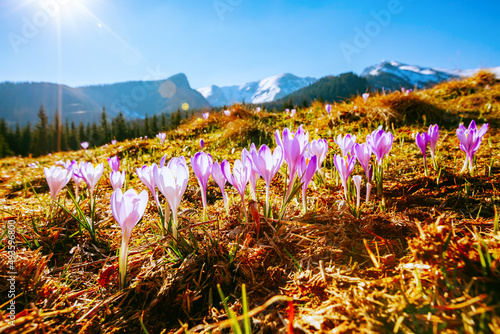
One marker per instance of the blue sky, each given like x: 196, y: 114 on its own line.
x: 224, y: 42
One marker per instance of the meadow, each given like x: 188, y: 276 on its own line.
x: 420, y: 254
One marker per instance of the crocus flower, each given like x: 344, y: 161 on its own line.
x: 258, y: 109
x: 422, y: 139
x: 161, y: 136
x: 128, y: 210
x: 227, y: 112
x: 84, y: 145
x: 33, y: 165
x: 57, y: 178
x: 345, y: 166
x: 470, y: 140
x: 381, y: 143
x: 238, y: 178
x: 307, y: 168
x: 293, y: 145
x: 220, y: 179
x: 433, y: 133
x: 145, y: 174
x: 114, y: 141
x: 363, y: 153
x: 292, y: 114
x: 365, y: 96
x: 287, y: 110
x: 328, y: 108
x: 117, y: 179
x: 114, y: 163
x: 172, y: 182
x: 201, y: 164
x: 357, y: 182
x: 254, y: 176
x: 205, y: 115
x: 267, y: 164
x: 368, y: 189
x: 74, y: 167
x: 91, y: 175
x: 202, y: 144
x: 319, y: 148
x: 345, y: 143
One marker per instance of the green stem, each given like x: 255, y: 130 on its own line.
x: 244, y: 206
x: 123, y: 261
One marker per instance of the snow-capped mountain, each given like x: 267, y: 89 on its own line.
x: 471, y: 72
x: 394, y: 75
x: 266, y: 90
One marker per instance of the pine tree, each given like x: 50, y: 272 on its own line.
x: 104, y: 128
x: 26, y: 147
x: 120, y: 130
x: 41, y: 138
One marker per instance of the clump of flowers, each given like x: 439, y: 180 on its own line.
x: 470, y: 140
x: 381, y: 144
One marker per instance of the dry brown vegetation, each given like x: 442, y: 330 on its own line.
x: 423, y: 258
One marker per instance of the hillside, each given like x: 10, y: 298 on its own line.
x: 421, y: 256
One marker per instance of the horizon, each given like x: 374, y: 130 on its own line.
x: 81, y: 43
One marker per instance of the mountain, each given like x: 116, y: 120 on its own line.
x: 20, y: 102
x: 392, y: 75
x: 330, y: 88
x: 266, y: 90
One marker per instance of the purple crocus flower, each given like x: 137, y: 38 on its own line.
x: 365, y: 96
x: 254, y: 176
x: 161, y: 136
x: 205, y: 115
x: 363, y: 153
x: 292, y: 114
x: 307, y: 168
x: 84, y: 145
x: 172, y: 182
x: 258, y: 109
x: 470, y: 140
x: 345, y: 166
x: 202, y: 144
x: 91, y: 175
x: 433, y: 133
x: 145, y: 174
x: 57, y: 178
x: 114, y: 163
x: 74, y: 167
x: 346, y: 143
x: 287, y: 110
x: 117, y: 179
x: 220, y: 179
x: 267, y: 164
x: 127, y: 210
x: 293, y: 145
x: 227, y: 112
x: 422, y: 139
x: 381, y: 143
x: 201, y: 164
x: 357, y: 183
x: 114, y: 141
x: 238, y: 178
x: 328, y: 108
x: 319, y: 148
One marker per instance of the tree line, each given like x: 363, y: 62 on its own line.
x: 43, y: 137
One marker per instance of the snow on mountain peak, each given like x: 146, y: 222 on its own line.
x: 414, y: 75
x: 265, y: 90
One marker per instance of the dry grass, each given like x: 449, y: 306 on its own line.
x: 425, y: 259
